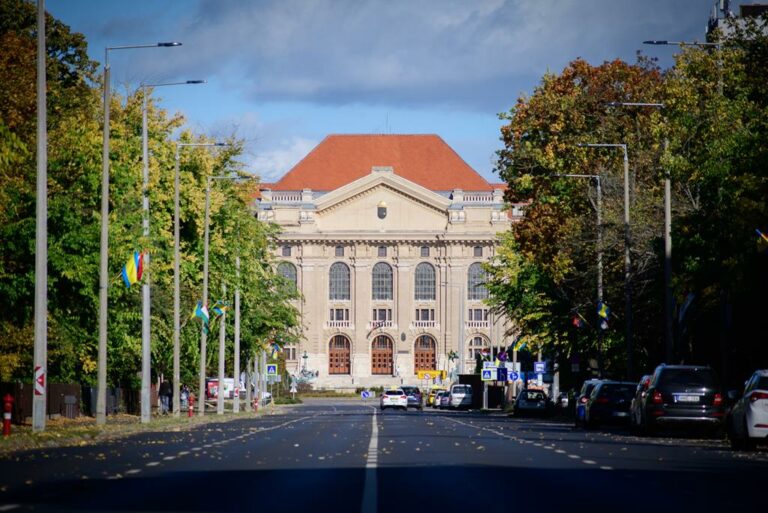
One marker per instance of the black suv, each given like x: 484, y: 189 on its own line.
x: 681, y: 395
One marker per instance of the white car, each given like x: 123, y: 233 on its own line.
x: 748, y: 419
x: 394, y: 399
x: 460, y: 397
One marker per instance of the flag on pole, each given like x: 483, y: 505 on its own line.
x: 202, y: 312
x: 762, y: 241
x: 219, y: 309
x: 133, y: 269
x: 603, y: 310
x: 577, y: 321
x: 275, y: 349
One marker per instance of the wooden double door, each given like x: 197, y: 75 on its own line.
x: 425, y: 354
x: 339, y: 355
x: 382, y: 355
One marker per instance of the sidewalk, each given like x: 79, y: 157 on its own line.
x: 63, y: 432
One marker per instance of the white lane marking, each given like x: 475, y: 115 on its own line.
x: 153, y: 464
x: 523, y: 441
x: 369, y: 490
x: 9, y: 507
x: 183, y: 453
x: 133, y: 471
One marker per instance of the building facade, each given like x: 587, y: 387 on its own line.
x: 385, y: 237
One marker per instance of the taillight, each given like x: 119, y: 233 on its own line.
x: 602, y: 400
x: 718, y: 401
x: 657, y: 399
x: 756, y: 396
x: 403, y: 397
x: 583, y: 400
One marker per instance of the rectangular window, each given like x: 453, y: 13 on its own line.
x: 478, y: 251
x: 339, y: 251
x: 478, y: 314
x: 382, y: 251
x: 425, y: 251
x: 425, y: 314
x: 286, y: 251
x: 382, y: 314
x: 339, y: 314
x: 290, y: 353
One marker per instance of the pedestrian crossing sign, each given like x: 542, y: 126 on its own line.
x: 489, y: 374
x: 271, y: 369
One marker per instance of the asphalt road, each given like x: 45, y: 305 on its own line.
x: 347, y: 456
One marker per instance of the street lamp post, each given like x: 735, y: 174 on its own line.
x: 101, y: 394
x: 682, y: 44
x: 599, y: 262
x: 668, y: 303
x: 627, y: 247
x: 177, y: 286
x: 146, y: 378
x: 203, y: 334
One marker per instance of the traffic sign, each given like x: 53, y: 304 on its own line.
x: 489, y: 374
x: 501, y: 374
x: 488, y: 365
x: 513, y: 376
x: 539, y: 367
x: 365, y: 394
x: 271, y: 369
x: 39, y: 380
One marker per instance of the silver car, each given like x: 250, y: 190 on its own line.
x: 460, y: 397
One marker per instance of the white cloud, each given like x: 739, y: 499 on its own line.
x: 273, y: 162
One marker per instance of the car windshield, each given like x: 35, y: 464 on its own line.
x: 394, y: 392
x: 461, y: 389
x: 762, y: 383
x: 533, y: 396
x: 587, y: 390
x: 688, y: 377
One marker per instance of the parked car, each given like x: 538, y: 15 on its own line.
x: 437, y: 403
x: 445, y: 400
x: 682, y: 395
x: 432, y: 395
x: 414, y: 397
x: 460, y: 397
x: 747, y: 422
x: 531, y: 402
x: 581, y: 400
x: 609, y: 403
x: 395, y: 398
x: 635, y: 407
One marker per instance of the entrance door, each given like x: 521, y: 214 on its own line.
x: 339, y: 355
x: 425, y: 353
x: 382, y: 355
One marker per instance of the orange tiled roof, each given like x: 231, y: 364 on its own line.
x: 424, y: 159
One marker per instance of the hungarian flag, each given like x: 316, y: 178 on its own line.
x: 133, y: 269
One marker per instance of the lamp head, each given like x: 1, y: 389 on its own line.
x: 169, y: 43
x: 656, y: 42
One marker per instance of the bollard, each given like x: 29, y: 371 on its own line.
x: 191, y: 409
x: 7, y: 409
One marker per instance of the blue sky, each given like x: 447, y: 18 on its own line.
x: 283, y: 74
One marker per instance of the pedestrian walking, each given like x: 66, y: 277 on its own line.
x: 165, y: 397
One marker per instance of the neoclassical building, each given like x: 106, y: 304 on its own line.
x: 385, y: 236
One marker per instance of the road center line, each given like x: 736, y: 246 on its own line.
x: 369, y: 490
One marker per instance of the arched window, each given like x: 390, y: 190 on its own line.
x: 338, y: 282
x: 382, y: 282
x: 424, y: 355
x: 476, y: 282
x: 288, y: 271
x: 477, y: 346
x: 425, y: 282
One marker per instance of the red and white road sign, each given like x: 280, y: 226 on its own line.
x: 39, y: 380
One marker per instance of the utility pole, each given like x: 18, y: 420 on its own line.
x: 222, y: 341
x: 236, y: 403
x: 41, y: 234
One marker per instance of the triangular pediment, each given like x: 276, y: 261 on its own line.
x: 376, y: 181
